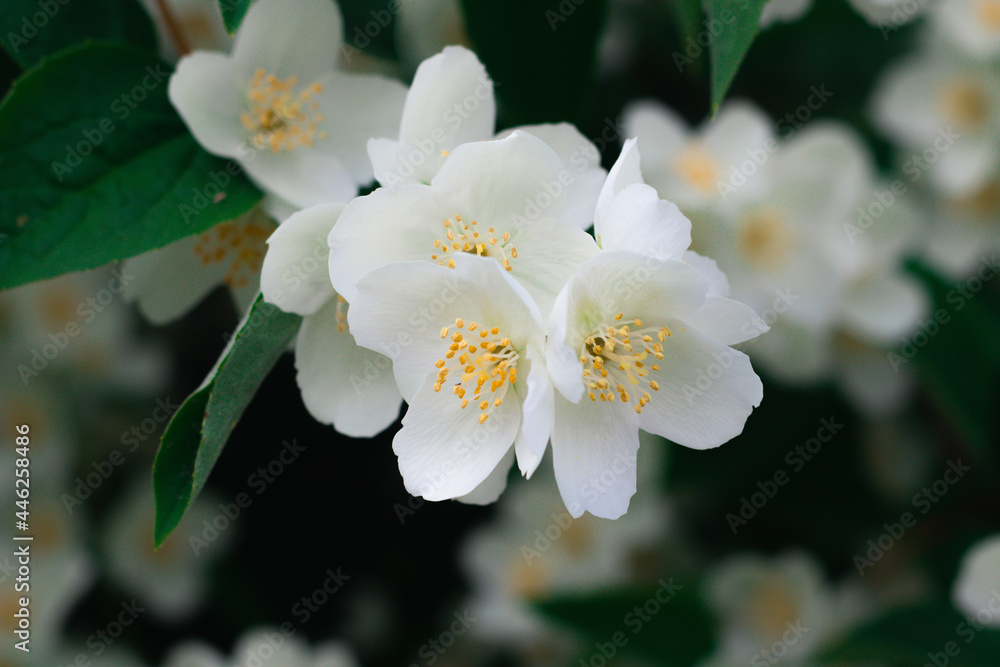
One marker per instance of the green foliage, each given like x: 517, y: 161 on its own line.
x: 542, y: 56
x: 31, y: 29
x: 233, y: 12
x: 195, y: 436
x: 95, y: 166
x: 733, y: 25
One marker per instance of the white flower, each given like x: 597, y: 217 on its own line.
x: 964, y: 230
x: 277, y: 105
x: 945, y: 113
x: 971, y: 25
x: 636, y: 342
x: 888, y: 13
x: 976, y: 590
x: 451, y: 103
x: 342, y: 384
x: 501, y: 199
x: 693, y: 169
x: 168, y: 282
x: 784, y: 600
x: 472, y: 341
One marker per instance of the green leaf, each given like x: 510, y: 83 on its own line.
x: 542, y: 56
x: 30, y: 29
x: 906, y: 636
x: 195, y: 436
x: 956, y: 357
x: 678, y: 632
x: 233, y: 12
x: 95, y: 166
x: 733, y: 25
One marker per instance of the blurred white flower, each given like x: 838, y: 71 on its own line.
x: 781, y: 605
x: 168, y: 282
x: 783, y: 11
x: 264, y: 645
x: 889, y: 14
x: 964, y: 230
x: 427, y: 26
x: 172, y: 580
x: 972, y: 26
x: 534, y: 551
x: 945, y: 116
x: 277, y: 105
x: 976, y: 590
x: 636, y: 342
x: 698, y: 170
x: 342, y: 384
x: 472, y: 340
x: 501, y: 199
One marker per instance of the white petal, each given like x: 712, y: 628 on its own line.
x: 382, y: 154
x: 295, y: 275
x: 341, y: 383
x: 739, y: 129
x: 663, y: 135
x: 491, y: 488
x: 169, y: 281
x: 624, y: 172
x: 289, y: 38
x: 279, y: 209
x: 707, y: 391
x: 965, y: 166
x: 727, y: 321
x: 450, y: 103
x: 885, y: 307
x: 304, y: 177
x: 718, y: 284
x: 637, y: 220
x: 561, y: 360
x: 537, y: 413
x: 204, y: 90
x: 594, y: 448
x: 581, y: 160
x: 389, y: 225
x: 504, y: 182
x: 356, y: 108
x: 548, y: 254
x: 444, y: 452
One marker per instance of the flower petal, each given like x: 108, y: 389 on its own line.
x: 624, y: 172
x: 304, y: 177
x: 444, y: 452
x: 450, y: 103
x: 343, y: 384
x: 299, y: 38
x: 637, y: 220
x: 536, y: 414
x: 491, y: 488
x: 706, y: 391
x: 504, y: 182
x: 548, y: 254
x: 295, y: 275
x: 594, y: 448
x: 727, y: 321
x: 205, y: 92
x: 885, y: 307
x: 355, y: 108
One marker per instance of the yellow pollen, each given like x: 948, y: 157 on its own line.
x: 698, y: 168
x: 613, y: 362
x: 241, y: 244
x: 279, y: 118
x: 988, y: 13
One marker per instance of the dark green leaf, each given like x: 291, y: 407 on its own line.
x: 233, y: 12
x: 910, y: 636
x: 31, y: 29
x: 678, y: 632
x: 95, y: 166
x: 733, y: 25
x: 541, y: 55
x: 195, y: 436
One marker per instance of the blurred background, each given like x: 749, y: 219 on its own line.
x: 854, y: 522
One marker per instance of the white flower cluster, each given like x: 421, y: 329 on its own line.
x: 466, y: 283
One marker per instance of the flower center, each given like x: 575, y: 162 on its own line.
x: 478, y: 356
x: 698, y: 168
x: 461, y: 236
x: 279, y: 118
x: 772, y: 606
x: 988, y: 13
x: 981, y: 205
x: 965, y: 104
x: 242, y: 244
x: 765, y: 241
x: 614, y: 362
